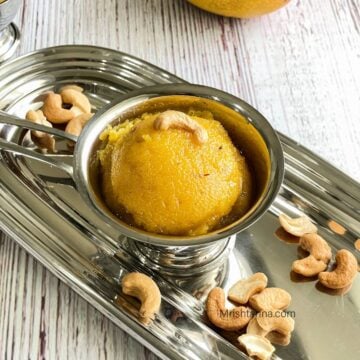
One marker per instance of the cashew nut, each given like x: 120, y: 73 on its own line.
x: 320, y: 255
x: 316, y: 246
x: 297, y: 226
x: 308, y: 266
x: 145, y: 289
x: 278, y: 339
x: 43, y: 140
x: 76, y: 125
x: 73, y: 87
x: 172, y: 119
x: 75, y: 98
x: 274, y: 336
x: 270, y: 321
x: 344, y: 273
x: 270, y: 298
x: 257, y: 346
x: 232, y: 320
x: 255, y: 329
x: 241, y: 291
x: 54, y: 111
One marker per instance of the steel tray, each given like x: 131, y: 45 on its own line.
x: 42, y: 211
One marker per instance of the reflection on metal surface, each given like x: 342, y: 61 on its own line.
x: 42, y: 210
x: 9, y: 32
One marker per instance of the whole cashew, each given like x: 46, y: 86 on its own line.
x: 43, y: 140
x: 232, y: 320
x: 268, y: 321
x: 270, y: 298
x: 297, y: 226
x: 241, y: 291
x: 320, y: 255
x: 256, y: 346
x: 316, y: 246
x: 54, y: 111
x: 76, y: 125
x: 76, y: 98
x: 145, y: 289
x: 172, y: 119
x: 308, y: 266
x: 344, y: 273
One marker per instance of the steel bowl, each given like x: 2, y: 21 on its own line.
x: 240, y: 120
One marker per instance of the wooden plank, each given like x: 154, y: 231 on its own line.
x: 299, y: 66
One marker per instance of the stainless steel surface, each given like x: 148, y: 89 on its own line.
x: 9, y: 32
x: 8, y: 10
x: 9, y: 41
x: 40, y: 208
x: 85, y: 157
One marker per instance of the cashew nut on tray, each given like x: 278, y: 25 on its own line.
x: 232, y: 320
x: 241, y: 291
x: 256, y: 346
x: 76, y: 125
x: 297, y: 226
x: 146, y: 291
x: 54, y: 111
x: 270, y: 298
x: 344, y: 273
x: 43, y: 140
x: 77, y: 99
x: 319, y: 255
x: 277, y: 329
x: 172, y: 119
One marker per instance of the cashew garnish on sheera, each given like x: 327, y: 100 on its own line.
x: 297, y: 226
x: 241, y: 291
x: 344, y: 273
x: 146, y: 291
x: 233, y: 319
x: 172, y: 119
x: 319, y: 255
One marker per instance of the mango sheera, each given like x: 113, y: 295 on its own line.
x: 172, y: 178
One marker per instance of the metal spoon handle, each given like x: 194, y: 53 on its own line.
x: 21, y: 150
x: 25, y: 124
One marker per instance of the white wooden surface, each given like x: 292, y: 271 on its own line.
x: 299, y: 66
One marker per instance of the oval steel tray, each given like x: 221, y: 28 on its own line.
x: 42, y: 211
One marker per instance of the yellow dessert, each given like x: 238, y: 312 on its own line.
x: 240, y: 8
x: 174, y: 173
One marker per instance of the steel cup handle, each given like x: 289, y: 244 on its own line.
x: 18, y: 149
